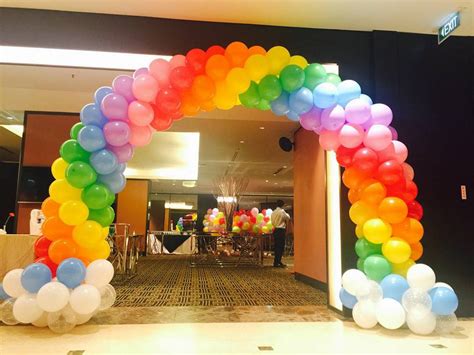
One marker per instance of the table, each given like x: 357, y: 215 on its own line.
x: 167, y: 242
x: 16, y: 251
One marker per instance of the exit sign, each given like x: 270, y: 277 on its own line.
x: 448, y: 27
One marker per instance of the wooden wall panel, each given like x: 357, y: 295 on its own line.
x: 23, y: 216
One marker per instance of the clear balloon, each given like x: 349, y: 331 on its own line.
x: 6, y: 312
x: 446, y: 324
x: 417, y: 302
x: 107, y: 297
x: 369, y: 291
x: 62, y: 321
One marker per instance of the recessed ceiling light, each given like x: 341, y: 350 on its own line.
x: 266, y: 180
x: 284, y: 166
x: 10, y: 118
x: 274, y: 174
x: 242, y: 142
x: 275, y: 183
x: 261, y: 127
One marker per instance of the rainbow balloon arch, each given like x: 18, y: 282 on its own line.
x: 70, y: 279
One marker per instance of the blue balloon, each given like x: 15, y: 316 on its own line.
x: 104, y: 161
x: 366, y: 98
x: 325, y: 95
x: 115, y: 181
x: 301, y: 100
x: 280, y: 105
x: 101, y: 93
x: 394, y: 286
x: 3, y: 294
x: 293, y: 116
x: 91, y: 138
x: 444, y: 301
x: 71, y: 272
x: 121, y: 167
x: 92, y: 115
x: 34, y: 276
x: 347, y: 90
x: 347, y: 299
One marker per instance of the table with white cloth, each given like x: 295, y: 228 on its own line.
x: 168, y: 242
x: 16, y: 251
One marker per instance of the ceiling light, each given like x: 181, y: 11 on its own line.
x: 266, y: 180
x: 178, y: 206
x: 189, y: 183
x: 14, y: 128
x: 75, y: 58
x: 242, y: 142
x: 228, y: 199
x: 284, y: 166
x: 261, y: 127
x: 275, y: 183
x: 10, y: 118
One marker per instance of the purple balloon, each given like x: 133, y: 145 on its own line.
x: 117, y: 133
x: 123, y: 153
x: 311, y: 120
x: 381, y: 114
x: 140, y: 71
x: 394, y: 133
x: 122, y: 85
x: 357, y: 111
x: 333, y: 118
x: 115, y: 107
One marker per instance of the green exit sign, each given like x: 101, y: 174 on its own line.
x: 448, y: 27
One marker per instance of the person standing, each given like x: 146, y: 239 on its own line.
x: 279, y: 220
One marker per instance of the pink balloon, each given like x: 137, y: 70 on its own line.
x: 122, y: 85
x: 333, y: 118
x: 408, y: 171
x: 123, y: 153
x: 145, y: 88
x: 116, y: 133
x: 311, y: 120
x: 115, y: 107
x: 396, y: 150
x: 357, y: 111
x: 140, y: 113
x: 378, y: 137
x: 351, y: 135
x: 140, y: 135
x: 381, y: 114
x: 160, y: 69
x: 329, y: 140
x: 140, y: 71
x: 394, y: 133
x: 178, y: 60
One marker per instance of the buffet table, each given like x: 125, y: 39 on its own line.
x: 16, y: 251
x: 166, y: 242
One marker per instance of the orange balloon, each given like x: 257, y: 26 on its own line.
x: 208, y: 106
x: 50, y: 207
x: 361, y: 211
x: 372, y: 191
x: 393, y: 210
x: 416, y: 251
x: 53, y: 229
x: 62, y: 249
x: 203, y: 88
x: 353, y: 177
x: 217, y: 67
x: 257, y: 50
x: 410, y: 229
x: 353, y: 195
x: 237, y: 53
x: 189, y: 105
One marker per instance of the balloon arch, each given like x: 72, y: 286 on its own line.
x: 387, y: 287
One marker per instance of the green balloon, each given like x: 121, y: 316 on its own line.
x: 269, y: 88
x: 72, y: 151
x: 360, y: 264
x: 364, y: 248
x: 80, y: 174
x: 96, y: 196
x: 292, y: 78
x: 376, y: 267
x: 251, y: 97
x: 104, y: 216
x: 264, y: 105
x: 75, y: 130
x: 314, y: 74
x: 110, y: 199
x: 333, y: 79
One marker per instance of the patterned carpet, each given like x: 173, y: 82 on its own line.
x: 169, y: 281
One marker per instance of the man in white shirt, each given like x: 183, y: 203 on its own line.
x: 279, y: 220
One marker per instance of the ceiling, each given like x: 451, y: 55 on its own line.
x: 420, y: 16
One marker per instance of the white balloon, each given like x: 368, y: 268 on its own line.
x: 369, y: 290
x: 442, y: 284
x: 268, y: 212
x: 53, y: 296
x: 107, y: 297
x: 83, y: 318
x: 351, y: 280
x: 390, y: 314
x: 417, y: 302
x: 26, y: 308
x: 99, y: 273
x: 364, y: 314
x: 423, y: 325
x: 42, y: 321
x: 446, y: 324
x: 85, y: 299
x: 12, y: 283
x: 421, y: 276
x: 6, y: 312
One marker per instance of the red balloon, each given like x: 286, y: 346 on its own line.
x: 181, y: 78
x: 176, y: 116
x: 161, y: 122
x: 240, y: 224
x: 41, y: 246
x: 253, y: 219
x: 389, y: 172
x: 196, y: 59
x: 221, y: 220
x: 365, y: 159
x: 266, y: 219
x: 415, y: 210
x: 344, y: 156
x: 411, y: 191
x: 49, y: 263
x: 213, y: 50
x: 168, y: 101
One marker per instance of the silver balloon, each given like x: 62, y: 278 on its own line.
x: 416, y: 302
x: 62, y: 321
x: 6, y: 312
x: 369, y: 290
x: 446, y: 324
x: 107, y: 297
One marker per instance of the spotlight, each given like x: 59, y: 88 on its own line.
x: 286, y: 144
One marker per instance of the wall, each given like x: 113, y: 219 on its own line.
x: 309, y: 207
x: 8, y: 184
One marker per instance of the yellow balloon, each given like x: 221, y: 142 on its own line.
x: 238, y: 80
x: 87, y: 234
x: 205, y: 230
x: 257, y: 66
x: 105, y: 232
x: 278, y: 57
x: 73, y: 212
x: 377, y: 231
x: 402, y: 268
x: 60, y: 191
x: 361, y: 211
x: 225, y: 98
x: 99, y: 251
x: 299, y: 61
x: 396, y: 250
x: 359, y: 231
x: 59, y: 168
